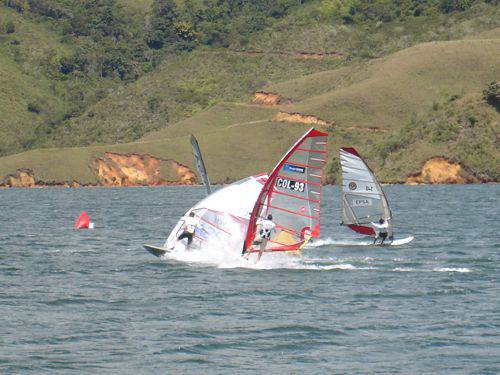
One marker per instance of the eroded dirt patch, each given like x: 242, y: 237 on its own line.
x: 269, y: 98
x: 140, y: 170
x: 439, y: 170
x: 20, y: 178
x: 301, y: 118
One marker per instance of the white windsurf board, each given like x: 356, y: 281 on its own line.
x: 157, y: 251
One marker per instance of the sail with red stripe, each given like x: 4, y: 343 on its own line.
x: 292, y: 194
x: 363, y: 200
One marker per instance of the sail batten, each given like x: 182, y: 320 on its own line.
x: 363, y: 200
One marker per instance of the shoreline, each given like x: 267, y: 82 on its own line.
x: 180, y: 184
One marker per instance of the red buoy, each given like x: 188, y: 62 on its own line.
x: 83, y: 221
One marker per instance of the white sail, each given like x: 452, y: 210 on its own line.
x: 222, y: 216
x: 363, y: 200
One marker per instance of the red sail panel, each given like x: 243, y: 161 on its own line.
x: 362, y: 229
x: 292, y: 194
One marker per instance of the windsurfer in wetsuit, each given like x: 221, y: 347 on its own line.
x: 381, y: 230
x: 189, y: 229
x: 265, y: 227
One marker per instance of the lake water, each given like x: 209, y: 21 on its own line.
x: 95, y: 301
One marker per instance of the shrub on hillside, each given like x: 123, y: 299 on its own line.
x: 449, y: 6
x: 492, y: 93
x: 49, y: 8
x: 10, y: 27
x: 19, y: 5
x: 161, y: 29
x: 34, y: 107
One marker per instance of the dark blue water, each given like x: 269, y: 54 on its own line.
x: 95, y: 301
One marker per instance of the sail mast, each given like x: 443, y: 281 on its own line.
x: 200, y: 164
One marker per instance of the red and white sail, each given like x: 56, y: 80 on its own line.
x: 292, y: 194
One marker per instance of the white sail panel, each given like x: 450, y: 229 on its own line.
x: 223, y: 216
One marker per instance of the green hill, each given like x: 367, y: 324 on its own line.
x: 388, y: 92
x: 241, y: 139
x: 126, y: 78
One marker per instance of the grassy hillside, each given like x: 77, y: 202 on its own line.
x: 315, y: 27
x: 181, y: 87
x: 413, y: 94
x: 113, y: 71
x: 192, y: 67
x: 464, y: 130
x: 388, y: 92
x: 230, y: 153
x: 29, y: 100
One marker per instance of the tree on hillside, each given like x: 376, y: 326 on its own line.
x: 162, y: 29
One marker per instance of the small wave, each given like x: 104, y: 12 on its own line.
x: 404, y: 269
x: 232, y: 259
x: 331, y: 241
x: 342, y: 266
x: 447, y: 269
x: 436, y: 269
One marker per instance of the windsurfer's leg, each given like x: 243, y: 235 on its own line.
x: 262, y: 249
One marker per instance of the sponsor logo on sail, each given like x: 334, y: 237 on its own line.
x: 352, y: 185
x: 293, y: 168
x: 361, y: 202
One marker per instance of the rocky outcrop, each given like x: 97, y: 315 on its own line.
x: 116, y: 169
x: 20, y: 178
x: 303, y: 119
x: 439, y: 170
x: 140, y: 170
x: 25, y: 178
x: 269, y: 98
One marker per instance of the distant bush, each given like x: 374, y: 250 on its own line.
x: 19, y: 5
x: 10, y: 27
x: 444, y: 132
x: 449, y: 6
x: 492, y: 93
x: 69, y: 64
x: 154, y: 104
x: 161, y: 30
x: 34, y: 107
x: 49, y: 8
